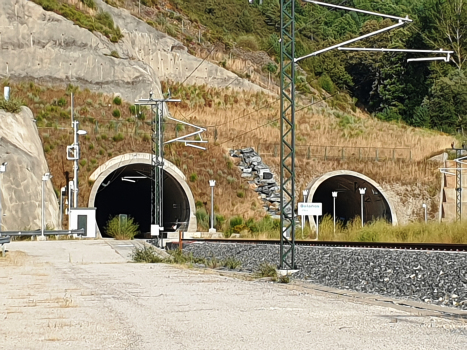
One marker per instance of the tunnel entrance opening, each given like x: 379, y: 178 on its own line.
x: 348, y: 201
x: 127, y: 190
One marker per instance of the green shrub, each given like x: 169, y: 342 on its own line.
x: 235, y: 221
x: 11, y: 106
x: 118, y: 100
x: 118, y: 229
x: 132, y: 109
x: 231, y: 263
x: 248, y: 42
x: 326, y: 83
x: 115, y: 54
x: 89, y: 3
x: 119, y: 137
x: 240, y: 194
x: 145, y: 255
x: 203, y: 218
x: 193, y: 177
x: 116, y: 113
x: 266, y: 270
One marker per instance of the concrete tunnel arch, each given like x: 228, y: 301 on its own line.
x: 348, y: 201
x: 112, y: 196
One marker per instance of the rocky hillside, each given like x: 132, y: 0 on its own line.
x: 20, y: 185
x: 45, y: 47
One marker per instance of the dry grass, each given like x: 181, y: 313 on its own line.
x: 380, y: 231
x: 234, y: 119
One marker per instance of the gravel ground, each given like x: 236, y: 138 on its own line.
x: 84, y: 295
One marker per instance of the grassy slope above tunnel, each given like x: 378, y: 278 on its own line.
x: 233, y: 120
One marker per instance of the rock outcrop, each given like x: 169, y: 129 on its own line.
x: 21, y: 183
x: 261, y: 179
x: 43, y: 46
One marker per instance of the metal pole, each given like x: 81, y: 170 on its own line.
x: 1, y: 214
x: 458, y: 186
x: 334, y: 213
x: 60, y: 216
x: 287, y: 126
x: 75, y: 164
x: 42, y: 210
x: 362, y: 208
x: 212, y: 207
x: 303, y: 224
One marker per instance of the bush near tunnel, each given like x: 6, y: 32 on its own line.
x: 121, y: 229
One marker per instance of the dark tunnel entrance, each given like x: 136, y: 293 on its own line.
x: 127, y: 190
x: 348, y: 201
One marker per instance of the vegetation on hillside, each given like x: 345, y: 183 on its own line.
x: 421, y: 94
x: 84, y: 13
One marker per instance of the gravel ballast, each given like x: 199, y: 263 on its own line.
x: 429, y: 276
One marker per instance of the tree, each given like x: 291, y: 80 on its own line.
x: 447, y: 24
x: 447, y: 104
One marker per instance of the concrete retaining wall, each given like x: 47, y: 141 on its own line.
x: 433, y: 277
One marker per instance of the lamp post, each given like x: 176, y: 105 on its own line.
x: 212, y: 183
x: 2, y: 170
x: 334, y: 196
x: 45, y: 178
x: 362, y: 193
x: 424, y: 207
x: 305, y: 197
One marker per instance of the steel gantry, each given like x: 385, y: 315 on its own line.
x: 157, y: 169
x: 287, y: 125
x: 287, y: 108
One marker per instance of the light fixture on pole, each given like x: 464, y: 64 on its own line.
x: 73, y: 153
x: 424, y: 207
x: 334, y: 196
x: 212, y: 183
x: 2, y: 170
x: 45, y: 177
x: 362, y: 193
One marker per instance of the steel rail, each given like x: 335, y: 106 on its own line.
x: 340, y: 244
x: 79, y: 232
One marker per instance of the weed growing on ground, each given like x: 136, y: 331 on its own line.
x: 266, y: 270
x: 145, y: 255
x: 232, y: 263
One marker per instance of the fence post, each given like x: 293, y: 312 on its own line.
x: 393, y: 154
x: 343, y: 153
x: 325, y: 153
x: 308, y: 155
x: 410, y: 155
x: 376, y: 159
x: 257, y: 148
x: 359, y: 153
x: 275, y: 150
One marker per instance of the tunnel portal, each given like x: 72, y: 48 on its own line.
x: 123, y: 186
x: 348, y: 200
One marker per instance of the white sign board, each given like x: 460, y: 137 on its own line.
x: 310, y: 209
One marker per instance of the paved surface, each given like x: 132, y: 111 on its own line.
x: 84, y: 295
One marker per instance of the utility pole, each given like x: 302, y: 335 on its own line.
x: 73, y: 154
x: 287, y: 165
x: 157, y: 168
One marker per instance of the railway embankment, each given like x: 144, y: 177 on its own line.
x: 434, y: 277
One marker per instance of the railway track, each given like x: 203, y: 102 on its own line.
x: 374, y: 245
